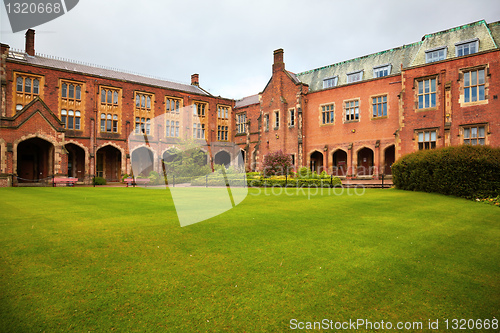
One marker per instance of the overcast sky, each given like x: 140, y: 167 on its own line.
x: 230, y: 43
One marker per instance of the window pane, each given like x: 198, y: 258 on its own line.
x: 421, y: 87
x: 35, y: 86
x: 78, y: 92
x: 110, y: 97
x: 148, y: 105
x: 473, y: 78
x: 481, y: 141
x: 433, y: 85
x: 481, y: 132
x: 427, y: 101
x: 426, y: 136
x: 466, y: 133
x: 77, y: 123
x: 480, y: 79
x: 143, y: 101
x: 70, y: 122
x: 433, y: 136
x: 421, y: 101
x: 71, y: 91
x: 466, y: 79
x: 433, y: 100
x: 427, y: 88
x: 27, y: 85
x: 20, y: 84
x: 64, y: 88
x: 115, y: 101
x: 103, y: 96
x: 137, y: 101
x: 481, y: 93
x: 467, y: 95
x: 63, y: 119
x: 385, y: 109
x: 474, y: 94
x: 473, y: 132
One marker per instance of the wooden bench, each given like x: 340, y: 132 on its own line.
x: 70, y: 181
x: 138, y: 181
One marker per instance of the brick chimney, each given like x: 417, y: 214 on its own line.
x: 278, y: 65
x: 195, y: 80
x: 30, y: 42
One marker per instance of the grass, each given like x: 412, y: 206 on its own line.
x: 105, y: 259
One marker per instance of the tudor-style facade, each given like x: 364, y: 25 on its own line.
x: 355, y: 118
x: 60, y: 118
x: 351, y: 119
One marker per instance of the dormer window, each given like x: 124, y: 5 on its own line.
x: 354, y: 76
x: 467, y: 47
x: 381, y: 71
x: 330, y: 82
x: 436, y: 54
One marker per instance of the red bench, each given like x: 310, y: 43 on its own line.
x: 70, y: 181
x: 138, y: 181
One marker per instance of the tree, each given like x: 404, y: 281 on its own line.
x: 277, y: 163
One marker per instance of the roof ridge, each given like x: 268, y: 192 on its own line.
x: 109, y: 68
x: 405, y: 46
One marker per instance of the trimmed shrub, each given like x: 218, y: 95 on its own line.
x: 99, y: 181
x: 277, y: 163
x: 463, y: 171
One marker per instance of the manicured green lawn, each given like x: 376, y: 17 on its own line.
x: 104, y: 259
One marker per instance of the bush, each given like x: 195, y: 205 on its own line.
x: 277, y: 163
x: 99, y: 181
x: 463, y: 171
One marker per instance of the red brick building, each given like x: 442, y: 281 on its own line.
x: 352, y: 118
x: 355, y: 118
x: 72, y: 119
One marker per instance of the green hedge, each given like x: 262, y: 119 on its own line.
x: 236, y: 180
x: 463, y: 171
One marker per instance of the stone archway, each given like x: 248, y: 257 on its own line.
x: 339, y: 163
x: 108, y: 163
x: 76, y: 161
x: 142, y: 161
x: 222, y: 158
x: 365, y: 162
x: 316, y: 162
x: 389, y: 159
x: 35, y: 160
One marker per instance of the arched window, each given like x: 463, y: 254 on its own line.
x: 77, y: 120
x: 138, y: 125
x: 115, y: 123
x: 103, y: 96
x: 110, y: 97
x: 78, y: 92
x: 19, y: 84
x: 71, y: 91
x: 109, y: 123
x: 64, y: 90
x: 115, y: 100
x: 148, y: 126
x: 137, y: 101
x: 35, y: 86
x: 71, y: 115
x: 64, y: 114
x: 103, y: 122
x: 27, y: 85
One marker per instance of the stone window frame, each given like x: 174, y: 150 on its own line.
x: 322, y: 111
x: 461, y: 83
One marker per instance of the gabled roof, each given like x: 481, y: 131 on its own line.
x: 246, y: 101
x: 88, y: 69
x: 36, y: 106
x: 406, y: 55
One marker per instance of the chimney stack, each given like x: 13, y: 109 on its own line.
x: 278, y: 65
x: 195, y: 80
x: 30, y: 42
